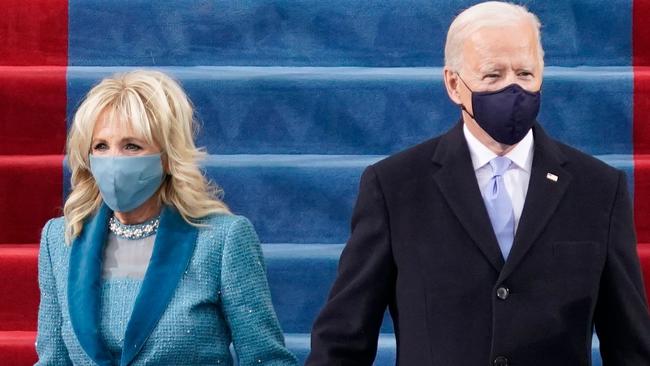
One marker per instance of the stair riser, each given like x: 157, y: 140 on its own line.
x: 30, y: 194
x: 331, y: 33
x: 33, y: 110
x: 304, y: 200
x: 299, y: 203
x: 374, y: 111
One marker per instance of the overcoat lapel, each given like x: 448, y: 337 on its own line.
x: 173, y: 250
x: 544, y: 194
x: 84, y: 286
x: 457, y: 182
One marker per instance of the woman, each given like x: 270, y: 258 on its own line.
x: 148, y: 266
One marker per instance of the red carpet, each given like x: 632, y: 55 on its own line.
x: 34, y: 32
x: 641, y: 62
x: 34, y: 122
x: 31, y: 189
x: 17, y: 348
x: 20, y: 283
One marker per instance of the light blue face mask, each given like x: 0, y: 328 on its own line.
x: 126, y: 182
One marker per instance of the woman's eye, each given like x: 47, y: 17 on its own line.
x: 99, y: 147
x: 132, y: 147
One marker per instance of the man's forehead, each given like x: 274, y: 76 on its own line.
x: 515, y: 35
x: 492, y: 47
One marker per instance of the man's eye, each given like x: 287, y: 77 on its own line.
x: 525, y: 74
x: 490, y: 76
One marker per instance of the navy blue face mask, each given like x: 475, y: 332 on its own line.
x: 507, y: 114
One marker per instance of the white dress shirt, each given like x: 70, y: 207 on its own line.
x: 516, y: 177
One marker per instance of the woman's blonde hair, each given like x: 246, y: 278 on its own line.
x: 157, y: 109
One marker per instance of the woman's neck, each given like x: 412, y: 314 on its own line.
x: 147, y: 211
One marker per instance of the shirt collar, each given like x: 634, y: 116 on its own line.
x: 521, y: 155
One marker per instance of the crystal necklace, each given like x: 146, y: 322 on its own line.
x: 134, y: 232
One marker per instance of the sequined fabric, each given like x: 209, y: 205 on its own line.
x: 223, y: 297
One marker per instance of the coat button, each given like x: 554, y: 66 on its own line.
x: 503, y: 293
x: 501, y: 361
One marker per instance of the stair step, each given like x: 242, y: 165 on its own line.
x: 307, y: 198
x: 19, y: 265
x: 33, y: 109
x: 299, y: 344
x: 319, y: 110
x: 17, y: 348
x: 343, y: 110
x: 34, y: 32
x: 343, y: 32
x: 291, y: 198
x: 31, y: 192
x: 300, y: 277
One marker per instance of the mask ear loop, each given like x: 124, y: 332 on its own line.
x: 461, y: 105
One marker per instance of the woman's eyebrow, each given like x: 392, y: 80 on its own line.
x: 132, y: 139
x: 122, y: 140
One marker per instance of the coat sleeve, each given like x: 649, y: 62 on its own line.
x: 246, y: 300
x: 621, y: 314
x: 49, y: 342
x: 347, y: 328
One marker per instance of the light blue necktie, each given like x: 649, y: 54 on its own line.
x: 499, y: 205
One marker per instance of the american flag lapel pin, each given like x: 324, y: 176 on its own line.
x: 551, y: 177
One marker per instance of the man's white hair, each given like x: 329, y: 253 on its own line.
x: 487, y: 14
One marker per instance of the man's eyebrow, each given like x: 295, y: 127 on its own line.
x: 489, y: 67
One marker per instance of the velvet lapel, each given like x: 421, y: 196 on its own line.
x: 544, y: 195
x: 173, y: 249
x: 84, y: 286
x: 457, y: 182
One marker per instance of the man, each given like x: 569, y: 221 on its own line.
x: 491, y: 244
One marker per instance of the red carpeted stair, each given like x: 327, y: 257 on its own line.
x: 19, y: 288
x: 33, y: 59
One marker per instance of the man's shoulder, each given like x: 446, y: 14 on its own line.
x: 589, y: 172
x: 411, y: 158
x: 583, y: 163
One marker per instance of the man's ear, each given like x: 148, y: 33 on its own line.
x: 452, y: 84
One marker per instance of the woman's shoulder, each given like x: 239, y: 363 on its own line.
x: 53, y: 238
x: 225, y: 223
x: 54, y: 230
